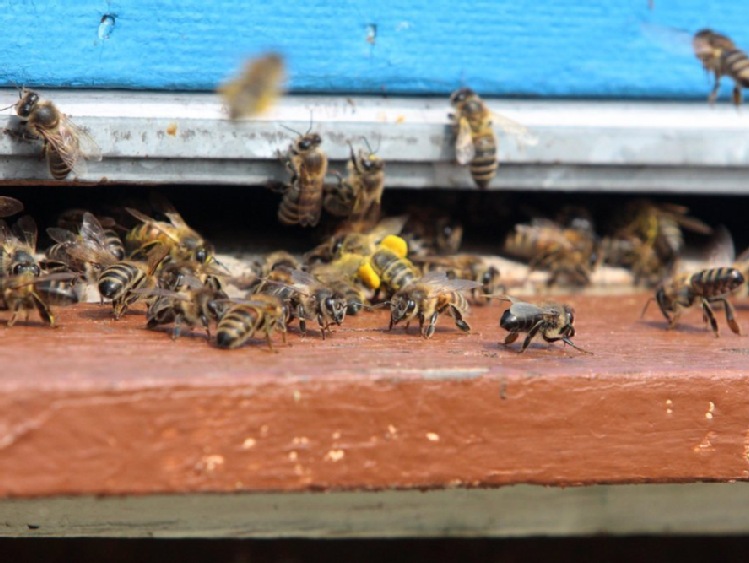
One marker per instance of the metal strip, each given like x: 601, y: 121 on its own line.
x: 591, y: 146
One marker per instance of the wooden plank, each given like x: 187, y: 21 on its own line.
x: 548, y: 48
x: 507, y: 512
x: 103, y: 407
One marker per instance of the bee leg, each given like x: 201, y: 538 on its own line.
x: 531, y: 333
x: 302, y: 320
x: 431, y: 326
x: 459, y: 322
x: 177, y: 327
x: 737, y: 97
x: 714, y: 94
x: 206, y: 325
x: 44, y: 311
x: 510, y: 338
x: 730, y: 315
x: 707, y: 310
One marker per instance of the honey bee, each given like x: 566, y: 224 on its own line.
x: 340, y: 277
x: 476, y: 143
x: 429, y: 232
x: 183, y: 242
x: 243, y: 318
x: 26, y: 290
x: 118, y: 279
x: 710, y: 286
x: 189, y: 302
x: 9, y: 206
x: 274, y: 260
x: 567, y: 253
x: 65, y: 145
x: 466, y: 266
x: 428, y: 297
x: 720, y: 56
x: 17, y: 248
x: 302, y: 196
x: 257, y: 88
x: 91, y: 232
x: 308, y: 298
x: 389, y: 266
x: 359, y: 196
x: 83, y: 220
x: 554, y: 321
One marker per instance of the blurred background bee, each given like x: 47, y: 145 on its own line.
x: 303, y: 194
x: 475, y: 141
x: 65, y: 145
x: 720, y: 56
x: 9, y: 206
x: 256, y: 88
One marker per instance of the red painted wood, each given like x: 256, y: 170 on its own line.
x: 98, y: 406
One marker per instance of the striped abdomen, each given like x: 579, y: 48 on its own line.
x: 302, y: 201
x: 484, y: 163
x: 455, y: 299
x: 58, y: 168
x: 116, y: 281
x: 716, y: 281
x: 113, y: 243
x: 394, y: 271
x: 736, y: 65
x: 236, y: 326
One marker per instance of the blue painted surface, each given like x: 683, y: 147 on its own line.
x: 557, y: 48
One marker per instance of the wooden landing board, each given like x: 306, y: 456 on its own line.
x: 103, y: 407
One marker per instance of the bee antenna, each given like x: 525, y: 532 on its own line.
x: 645, y: 308
x: 366, y: 142
x: 290, y: 129
x: 568, y: 341
x: 310, y: 122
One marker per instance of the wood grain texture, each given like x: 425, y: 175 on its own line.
x: 104, y: 407
x: 548, y: 48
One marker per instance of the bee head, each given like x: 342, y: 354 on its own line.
x: 568, y: 327
x: 336, y: 309
x: 401, y: 307
x: 308, y: 142
x: 461, y: 95
x: 488, y: 279
x: 21, y: 268
x: 27, y: 102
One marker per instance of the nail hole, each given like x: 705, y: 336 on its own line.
x: 106, y: 26
x: 371, y: 33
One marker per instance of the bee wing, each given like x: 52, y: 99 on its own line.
x: 438, y: 281
x: 160, y: 292
x: 25, y: 230
x: 92, y: 230
x: 165, y: 228
x: 142, y: 217
x: 670, y: 39
x: 693, y: 224
x: 176, y: 220
x: 523, y: 309
x: 9, y: 206
x: 61, y: 235
x: 517, y: 130
x: 389, y: 226
x: 71, y: 143
x: 721, y: 250
x: 24, y: 280
x: 95, y: 254
x: 464, y: 149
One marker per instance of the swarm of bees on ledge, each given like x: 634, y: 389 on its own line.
x: 412, y: 265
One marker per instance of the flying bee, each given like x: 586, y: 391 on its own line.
x: 476, y: 143
x: 243, y: 318
x: 710, y: 286
x: 554, y: 321
x: 183, y: 242
x: 466, y: 266
x: 257, y: 88
x: 720, y: 56
x: 428, y: 297
x: 359, y: 196
x: 9, y: 206
x: 308, y: 298
x: 26, y: 290
x: 302, y: 195
x: 65, y: 145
